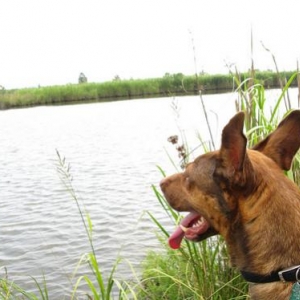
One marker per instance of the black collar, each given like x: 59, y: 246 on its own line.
x: 291, y: 274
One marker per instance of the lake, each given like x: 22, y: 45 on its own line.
x: 114, y: 149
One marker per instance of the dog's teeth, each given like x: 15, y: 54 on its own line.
x: 184, y: 229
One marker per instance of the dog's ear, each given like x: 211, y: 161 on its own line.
x: 233, y: 147
x: 283, y: 143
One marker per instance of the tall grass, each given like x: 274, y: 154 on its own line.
x: 99, y: 286
x: 169, y: 84
x: 9, y: 290
x: 100, y: 289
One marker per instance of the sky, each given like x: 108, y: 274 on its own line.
x: 49, y: 42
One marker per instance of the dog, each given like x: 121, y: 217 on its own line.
x: 244, y: 195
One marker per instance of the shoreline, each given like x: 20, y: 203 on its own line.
x: 116, y: 90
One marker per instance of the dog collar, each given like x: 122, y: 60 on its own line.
x: 291, y: 274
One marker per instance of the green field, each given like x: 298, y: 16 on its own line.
x: 168, y: 85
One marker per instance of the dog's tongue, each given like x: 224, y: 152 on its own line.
x: 178, y: 235
x: 176, y: 238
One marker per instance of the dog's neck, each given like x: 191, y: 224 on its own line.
x: 251, y: 233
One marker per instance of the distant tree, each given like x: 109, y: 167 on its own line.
x: 117, y: 78
x: 82, y: 78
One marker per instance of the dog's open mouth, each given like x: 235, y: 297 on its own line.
x: 191, y: 227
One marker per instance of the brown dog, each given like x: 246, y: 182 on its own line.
x: 244, y: 196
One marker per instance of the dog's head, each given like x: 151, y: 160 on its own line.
x: 213, y: 187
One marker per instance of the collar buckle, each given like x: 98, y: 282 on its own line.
x: 288, y: 272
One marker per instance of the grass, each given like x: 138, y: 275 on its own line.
x: 99, y: 288
x: 169, y: 84
x: 11, y: 291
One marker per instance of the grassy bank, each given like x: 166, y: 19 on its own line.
x: 170, y: 84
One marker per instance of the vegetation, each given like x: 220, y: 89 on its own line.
x: 170, y: 84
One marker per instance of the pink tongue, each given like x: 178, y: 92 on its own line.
x: 176, y: 238
x: 178, y: 235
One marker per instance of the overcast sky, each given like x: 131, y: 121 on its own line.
x: 49, y: 42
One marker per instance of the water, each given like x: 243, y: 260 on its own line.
x: 114, y: 149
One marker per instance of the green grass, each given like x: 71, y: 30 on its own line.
x: 9, y: 290
x: 170, y: 84
x: 100, y: 289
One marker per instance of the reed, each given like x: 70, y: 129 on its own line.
x: 9, y: 290
x: 170, y: 84
x: 99, y: 288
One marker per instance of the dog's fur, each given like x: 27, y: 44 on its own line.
x: 245, y: 196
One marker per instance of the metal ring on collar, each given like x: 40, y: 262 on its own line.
x: 298, y: 275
